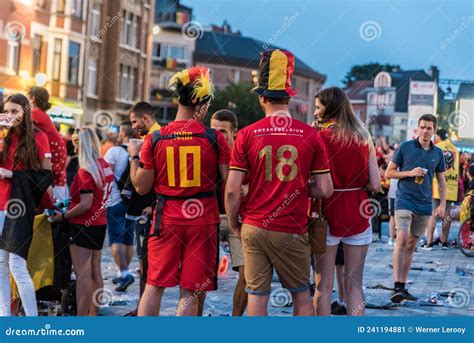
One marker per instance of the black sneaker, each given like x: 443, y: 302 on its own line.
x: 338, y: 309
x: 116, y: 280
x: 428, y: 247
x: 444, y: 246
x: 408, y: 296
x: 126, y: 281
x: 398, y: 296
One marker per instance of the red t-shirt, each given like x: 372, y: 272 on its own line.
x: 184, y: 167
x: 56, y: 145
x: 349, y: 169
x: 42, y: 147
x: 84, y: 183
x: 279, y: 162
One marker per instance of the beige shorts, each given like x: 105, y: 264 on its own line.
x: 236, y: 252
x: 407, y: 220
x: 264, y: 250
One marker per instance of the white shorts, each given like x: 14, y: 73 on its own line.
x: 362, y: 238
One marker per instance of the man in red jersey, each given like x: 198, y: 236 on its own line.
x: 181, y: 162
x: 279, y: 155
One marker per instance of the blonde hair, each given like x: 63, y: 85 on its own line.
x: 339, y: 110
x: 88, y: 155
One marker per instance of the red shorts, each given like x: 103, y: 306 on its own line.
x: 184, y: 255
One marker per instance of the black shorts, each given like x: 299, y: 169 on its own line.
x: 88, y: 237
x: 340, y: 255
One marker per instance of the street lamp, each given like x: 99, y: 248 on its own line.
x: 41, y: 79
x: 156, y: 29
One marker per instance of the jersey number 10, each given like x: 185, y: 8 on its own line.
x: 184, y: 151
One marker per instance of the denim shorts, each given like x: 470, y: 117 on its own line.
x: 120, y: 229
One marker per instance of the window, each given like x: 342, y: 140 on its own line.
x: 57, y: 59
x: 13, y: 56
x: 156, y: 51
x: 77, y: 8
x: 170, y: 51
x: 92, y: 77
x: 60, y: 6
x: 233, y: 76
x: 95, y: 29
x: 73, y: 71
x: 37, y: 45
x: 127, y: 77
x: 130, y: 25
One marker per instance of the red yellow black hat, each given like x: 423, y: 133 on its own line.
x: 275, y: 72
x: 193, y: 85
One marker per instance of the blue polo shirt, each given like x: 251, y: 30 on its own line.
x: 410, y: 195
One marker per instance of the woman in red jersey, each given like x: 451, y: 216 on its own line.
x: 87, y: 219
x: 354, y: 173
x: 39, y: 100
x: 25, y: 174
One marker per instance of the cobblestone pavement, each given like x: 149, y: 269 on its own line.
x: 437, y: 271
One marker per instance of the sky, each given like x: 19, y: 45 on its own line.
x: 331, y: 36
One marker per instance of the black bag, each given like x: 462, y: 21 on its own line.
x: 124, y: 184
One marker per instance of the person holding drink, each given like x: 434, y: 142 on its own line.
x: 417, y: 161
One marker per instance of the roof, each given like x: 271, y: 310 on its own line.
x: 465, y: 91
x: 237, y: 50
x: 358, y: 90
x: 401, y: 82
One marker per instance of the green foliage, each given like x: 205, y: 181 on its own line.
x: 239, y: 99
x: 367, y: 72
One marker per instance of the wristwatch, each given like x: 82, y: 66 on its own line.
x: 136, y: 157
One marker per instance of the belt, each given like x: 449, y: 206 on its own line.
x: 347, y: 189
x: 160, y: 202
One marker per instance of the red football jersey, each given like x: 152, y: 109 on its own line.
x: 56, y: 145
x: 42, y: 147
x: 84, y: 183
x: 279, y: 154
x: 183, y: 167
x: 349, y: 164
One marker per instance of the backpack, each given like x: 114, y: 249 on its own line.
x: 124, y: 183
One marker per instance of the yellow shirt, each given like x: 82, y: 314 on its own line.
x: 155, y: 127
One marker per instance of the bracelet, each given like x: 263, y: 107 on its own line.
x: 136, y: 157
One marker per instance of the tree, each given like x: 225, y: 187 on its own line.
x: 238, y: 99
x: 367, y: 72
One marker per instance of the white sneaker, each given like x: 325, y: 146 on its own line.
x: 391, y: 243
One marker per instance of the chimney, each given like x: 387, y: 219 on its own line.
x: 433, y: 71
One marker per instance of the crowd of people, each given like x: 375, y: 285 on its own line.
x: 161, y: 192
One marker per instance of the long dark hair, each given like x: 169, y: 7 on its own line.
x: 41, y: 96
x: 339, y: 110
x: 26, y: 150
